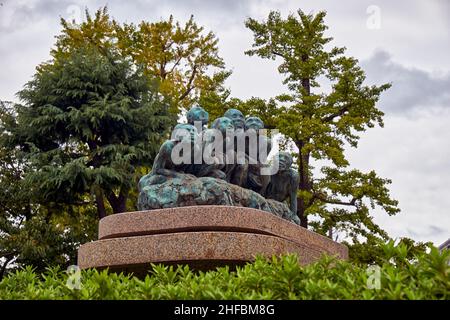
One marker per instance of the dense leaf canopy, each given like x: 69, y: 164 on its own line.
x: 319, y: 124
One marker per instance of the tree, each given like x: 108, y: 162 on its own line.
x: 183, y: 58
x: 92, y: 121
x: 12, y: 204
x: 31, y: 233
x: 375, y: 250
x: 89, y: 121
x: 321, y: 124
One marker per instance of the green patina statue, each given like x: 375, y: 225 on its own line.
x: 284, y: 184
x: 221, y: 166
x: 177, y: 156
x: 164, y: 164
x: 235, y: 171
x: 256, y: 158
x: 237, y: 117
x: 197, y: 114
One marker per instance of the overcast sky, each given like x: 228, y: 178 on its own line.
x: 403, y: 42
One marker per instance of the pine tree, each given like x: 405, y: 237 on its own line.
x: 39, y: 235
x: 89, y: 121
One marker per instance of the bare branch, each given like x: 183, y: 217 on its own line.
x: 342, y: 203
x: 175, y: 64
x: 189, y: 86
x: 278, y: 54
x: 321, y: 197
x: 341, y: 112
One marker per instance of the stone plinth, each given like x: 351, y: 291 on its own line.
x: 202, y: 236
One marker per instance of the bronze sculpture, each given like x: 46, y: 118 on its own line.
x: 220, y: 166
x: 284, y: 184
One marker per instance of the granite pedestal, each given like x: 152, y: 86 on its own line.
x: 202, y: 236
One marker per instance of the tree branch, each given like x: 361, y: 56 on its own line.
x: 332, y: 201
x: 278, y: 54
x: 176, y: 63
x: 189, y: 86
x: 342, y: 203
x: 118, y: 203
x: 341, y: 112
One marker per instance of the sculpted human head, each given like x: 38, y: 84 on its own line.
x: 254, y: 123
x: 197, y: 113
x: 184, y: 132
x: 237, y: 117
x: 284, y: 160
x: 223, y: 124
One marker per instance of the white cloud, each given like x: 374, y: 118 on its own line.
x: 414, y: 153
x: 412, y: 88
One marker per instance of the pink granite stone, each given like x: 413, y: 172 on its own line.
x: 186, y: 247
x: 214, y: 218
x: 202, y: 236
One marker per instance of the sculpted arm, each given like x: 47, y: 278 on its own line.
x: 163, y: 164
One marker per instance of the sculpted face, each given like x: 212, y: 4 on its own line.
x: 184, y: 132
x: 284, y: 161
x: 254, y: 123
x: 223, y: 124
x: 208, y: 135
x: 197, y: 113
x: 237, y: 117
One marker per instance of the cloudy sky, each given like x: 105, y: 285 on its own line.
x: 403, y: 42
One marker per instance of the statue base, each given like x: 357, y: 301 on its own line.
x: 204, y: 237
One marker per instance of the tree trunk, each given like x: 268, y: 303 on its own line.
x: 304, y: 184
x: 118, y: 204
x: 303, y: 165
x: 99, y: 200
x: 306, y: 82
x: 301, y: 208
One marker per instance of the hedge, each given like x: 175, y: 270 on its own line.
x: 427, y: 276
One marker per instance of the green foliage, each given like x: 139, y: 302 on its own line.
x: 375, y: 251
x: 266, y: 110
x: 88, y: 123
x: 43, y: 240
x: 183, y: 57
x: 31, y: 233
x: 426, y: 277
x: 319, y: 124
x: 92, y: 121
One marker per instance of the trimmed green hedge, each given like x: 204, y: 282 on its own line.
x: 425, y: 277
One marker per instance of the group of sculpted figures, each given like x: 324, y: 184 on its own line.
x: 240, y: 158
